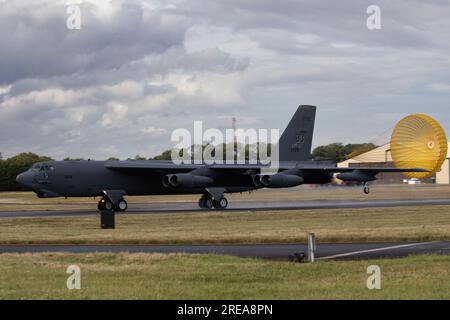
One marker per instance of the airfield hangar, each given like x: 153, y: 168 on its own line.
x: 381, y: 157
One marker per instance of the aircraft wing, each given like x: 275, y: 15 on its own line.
x: 370, y: 170
x: 165, y: 166
x: 169, y: 166
x: 150, y: 166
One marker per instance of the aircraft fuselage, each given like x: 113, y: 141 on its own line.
x: 91, y: 178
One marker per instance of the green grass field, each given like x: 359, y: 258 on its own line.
x: 331, y: 225
x: 181, y: 276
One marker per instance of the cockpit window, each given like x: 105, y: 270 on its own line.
x: 38, y: 167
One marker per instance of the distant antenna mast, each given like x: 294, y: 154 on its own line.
x: 233, y: 121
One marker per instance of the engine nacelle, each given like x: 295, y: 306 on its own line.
x: 280, y: 180
x: 356, y: 176
x: 186, y: 180
x: 257, y: 180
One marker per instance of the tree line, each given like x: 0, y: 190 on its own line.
x: 11, y: 167
x: 335, y: 152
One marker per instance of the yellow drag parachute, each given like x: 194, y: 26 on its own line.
x: 418, y: 141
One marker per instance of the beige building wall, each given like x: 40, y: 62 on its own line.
x: 346, y: 163
x: 381, y: 154
x: 443, y: 176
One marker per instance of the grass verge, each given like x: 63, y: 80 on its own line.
x: 182, y: 276
x: 340, y: 225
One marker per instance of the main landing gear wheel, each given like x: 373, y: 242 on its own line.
x: 222, y: 203
x: 366, y: 188
x: 105, y: 205
x: 205, y: 202
x: 100, y: 205
x: 122, y: 205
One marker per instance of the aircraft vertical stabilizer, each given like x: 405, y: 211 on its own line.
x: 296, y: 141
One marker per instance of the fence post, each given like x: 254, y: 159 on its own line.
x: 311, y: 247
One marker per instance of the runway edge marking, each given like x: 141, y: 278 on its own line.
x: 341, y: 255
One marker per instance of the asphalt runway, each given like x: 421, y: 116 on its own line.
x: 334, y: 251
x: 185, y: 207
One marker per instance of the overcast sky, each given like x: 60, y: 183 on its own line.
x: 136, y: 70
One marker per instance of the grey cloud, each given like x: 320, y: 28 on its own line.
x: 38, y: 44
x: 336, y: 20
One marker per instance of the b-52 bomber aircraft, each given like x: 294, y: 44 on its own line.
x: 112, y: 180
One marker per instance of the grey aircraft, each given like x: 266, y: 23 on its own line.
x: 112, y: 180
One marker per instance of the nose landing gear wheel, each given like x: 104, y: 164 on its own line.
x: 101, y: 205
x: 122, y: 205
x: 205, y: 203
x: 108, y: 205
x: 105, y: 205
x: 366, y: 189
x: 222, y: 203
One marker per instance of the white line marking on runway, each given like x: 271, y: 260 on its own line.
x: 373, y: 250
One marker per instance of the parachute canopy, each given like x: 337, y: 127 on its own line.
x: 419, y: 141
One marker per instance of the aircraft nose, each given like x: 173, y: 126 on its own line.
x: 24, y: 179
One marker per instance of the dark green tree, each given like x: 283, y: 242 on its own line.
x: 11, y: 167
x: 338, y: 152
x: 166, y: 155
x: 73, y: 159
